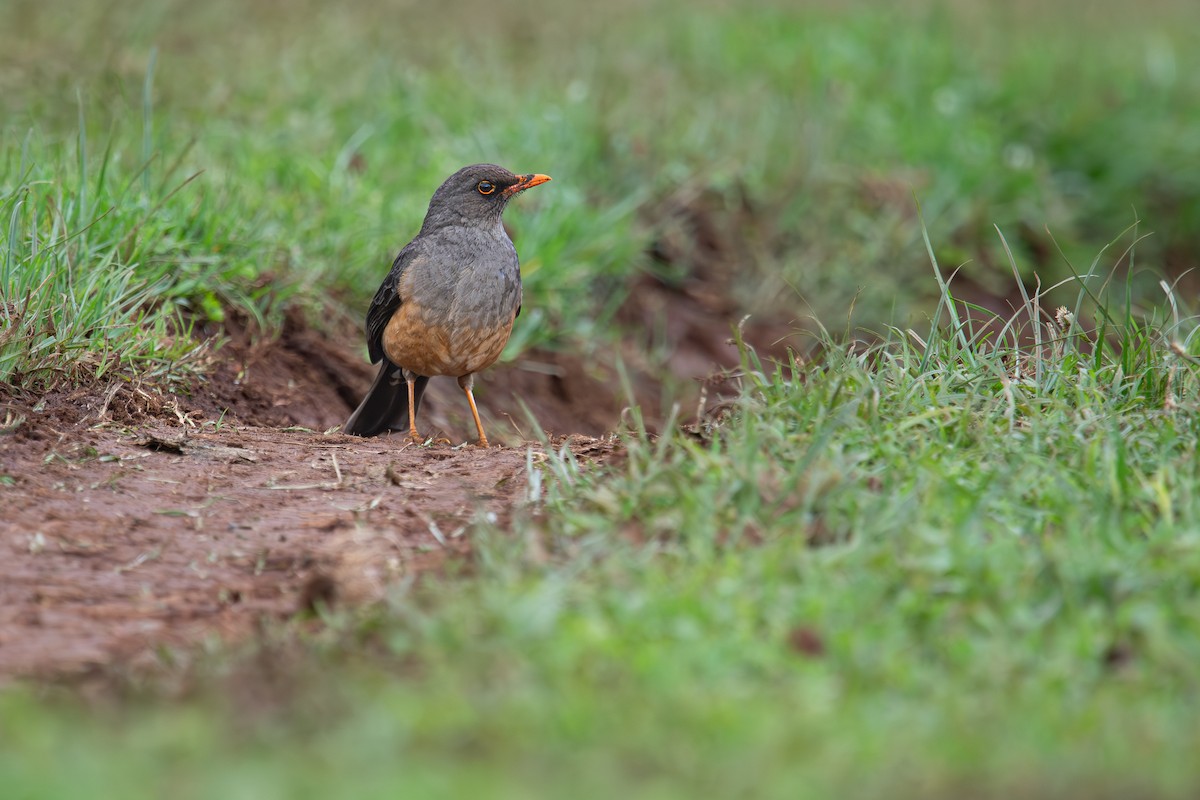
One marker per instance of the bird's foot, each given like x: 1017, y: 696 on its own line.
x: 422, y: 441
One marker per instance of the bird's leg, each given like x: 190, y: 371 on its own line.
x: 411, y: 380
x: 466, y: 382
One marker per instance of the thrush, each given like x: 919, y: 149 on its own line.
x: 448, y: 304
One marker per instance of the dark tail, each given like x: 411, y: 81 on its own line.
x: 385, y: 408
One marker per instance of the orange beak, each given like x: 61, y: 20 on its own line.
x: 525, y: 182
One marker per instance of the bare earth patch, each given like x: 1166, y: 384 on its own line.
x: 133, y: 520
x: 116, y: 542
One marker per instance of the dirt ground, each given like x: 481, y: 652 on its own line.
x: 133, y: 519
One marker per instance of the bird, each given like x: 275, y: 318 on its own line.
x: 448, y: 304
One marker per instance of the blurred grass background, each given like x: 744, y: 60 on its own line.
x: 315, y: 134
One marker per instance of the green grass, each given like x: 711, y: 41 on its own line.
x: 943, y: 563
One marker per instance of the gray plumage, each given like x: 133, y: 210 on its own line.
x: 459, y: 280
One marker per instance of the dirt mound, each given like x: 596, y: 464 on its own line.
x: 314, y: 379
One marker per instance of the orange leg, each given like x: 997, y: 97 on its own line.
x: 466, y: 382
x: 412, y: 411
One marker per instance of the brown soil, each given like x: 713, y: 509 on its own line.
x: 135, y: 519
x: 122, y: 536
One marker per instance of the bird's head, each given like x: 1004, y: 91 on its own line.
x: 477, y: 195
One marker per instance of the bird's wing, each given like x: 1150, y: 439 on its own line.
x: 386, y: 301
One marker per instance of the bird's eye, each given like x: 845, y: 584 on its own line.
x: 485, y: 187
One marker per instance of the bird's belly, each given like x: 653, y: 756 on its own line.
x: 411, y: 342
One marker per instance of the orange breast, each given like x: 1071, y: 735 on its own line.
x: 410, y: 342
